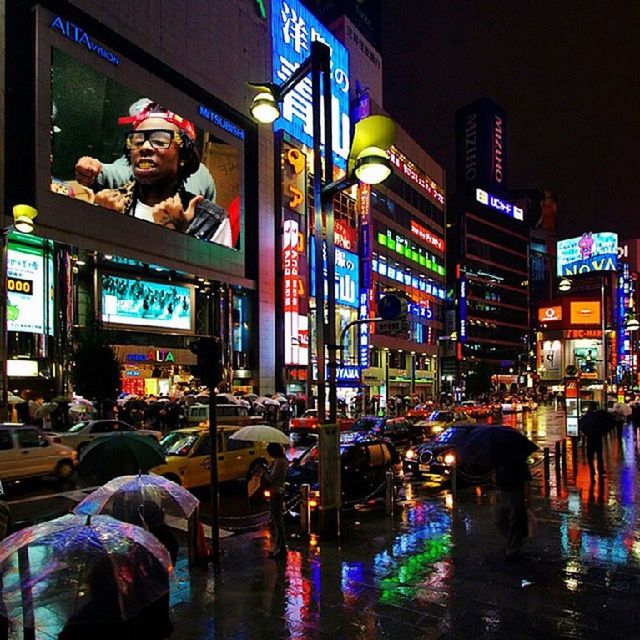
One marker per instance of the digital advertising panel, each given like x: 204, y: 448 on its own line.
x: 143, y: 303
x: 116, y: 149
x: 293, y: 29
x: 587, y: 253
x: 29, y: 290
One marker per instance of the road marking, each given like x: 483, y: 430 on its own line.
x: 77, y: 495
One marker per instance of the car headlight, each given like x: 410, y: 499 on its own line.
x: 437, y: 429
x: 449, y: 459
x: 411, y: 455
x: 439, y: 459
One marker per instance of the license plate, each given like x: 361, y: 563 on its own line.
x: 424, y: 468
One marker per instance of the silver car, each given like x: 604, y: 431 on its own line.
x: 83, y: 433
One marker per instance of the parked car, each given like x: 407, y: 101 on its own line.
x: 26, y: 452
x: 439, y: 420
x: 398, y: 430
x: 364, y: 461
x: 438, y: 456
x: 307, y: 424
x: 82, y: 433
x: 188, y: 456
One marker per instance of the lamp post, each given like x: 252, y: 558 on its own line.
x: 367, y: 162
x: 23, y: 216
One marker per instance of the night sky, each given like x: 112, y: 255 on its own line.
x: 565, y: 71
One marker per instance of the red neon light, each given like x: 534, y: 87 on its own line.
x: 427, y: 236
x: 416, y: 175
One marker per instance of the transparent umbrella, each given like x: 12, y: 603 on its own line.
x: 88, y: 568
x: 124, y: 497
x: 14, y: 399
x: 46, y: 409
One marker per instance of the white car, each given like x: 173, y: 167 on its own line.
x: 26, y: 452
x: 511, y: 405
x: 85, y: 432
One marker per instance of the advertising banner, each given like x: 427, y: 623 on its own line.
x: 126, y: 301
x: 481, y: 148
x: 293, y: 29
x: 120, y: 151
x: 347, y: 276
x: 29, y: 290
x: 585, y: 312
x: 588, y: 252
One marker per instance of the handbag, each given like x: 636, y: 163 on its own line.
x: 532, y: 524
x: 254, y: 484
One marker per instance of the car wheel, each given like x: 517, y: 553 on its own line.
x: 173, y: 478
x: 64, y: 469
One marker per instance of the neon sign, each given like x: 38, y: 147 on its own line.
x: 296, y: 327
x: 347, y: 276
x: 427, y: 236
x: 293, y: 28
x: 223, y: 123
x: 74, y: 33
x: 499, y: 205
x: 416, y: 175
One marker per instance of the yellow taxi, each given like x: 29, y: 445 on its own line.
x: 188, y: 456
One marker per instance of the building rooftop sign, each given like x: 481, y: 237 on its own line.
x: 416, y: 175
x: 587, y: 253
x: 499, y: 204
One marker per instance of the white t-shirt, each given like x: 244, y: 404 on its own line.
x: 143, y: 211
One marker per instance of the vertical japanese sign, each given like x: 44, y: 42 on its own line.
x: 294, y: 262
x: 296, y: 331
x: 364, y: 212
x: 293, y: 28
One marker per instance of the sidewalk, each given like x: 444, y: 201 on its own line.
x: 437, y: 570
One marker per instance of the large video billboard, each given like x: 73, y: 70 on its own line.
x: 136, y: 303
x: 588, y: 252
x: 121, y: 149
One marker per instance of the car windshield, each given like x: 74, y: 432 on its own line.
x: 178, y: 443
x: 441, y: 416
x: 78, y: 427
x: 452, y: 436
x: 367, y: 424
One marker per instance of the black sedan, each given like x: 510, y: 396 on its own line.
x: 364, y: 461
x: 439, y: 455
x: 398, y: 430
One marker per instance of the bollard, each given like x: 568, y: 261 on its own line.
x: 546, y: 463
x: 557, y: 455
x: 305, y: 509
x: 564, y: 456
x: 389, y: 493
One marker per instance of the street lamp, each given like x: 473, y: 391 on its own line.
x: 367, y: 162
x: 23, y: 216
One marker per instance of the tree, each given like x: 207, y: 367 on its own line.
x: 95, y: 373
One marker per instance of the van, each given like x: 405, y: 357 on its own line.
x: 235, y: 414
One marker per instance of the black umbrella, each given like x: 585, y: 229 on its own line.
x: 121, y: 454
x: 490, y: 446
x: 596, y: 423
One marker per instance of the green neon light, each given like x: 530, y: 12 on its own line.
x: 261, y: 9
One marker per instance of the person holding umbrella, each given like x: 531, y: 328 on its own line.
x: 507, y: 451
x: 275, y: 478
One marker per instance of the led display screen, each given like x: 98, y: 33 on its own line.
x: 587, y: 253
x: 117, y: 149
x: 29, y: 290
x: 128, y: 301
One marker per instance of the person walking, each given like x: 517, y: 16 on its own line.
x: 594, y: 424
x: 275, y: 478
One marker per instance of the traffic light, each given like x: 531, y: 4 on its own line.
x: 208, y: 351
